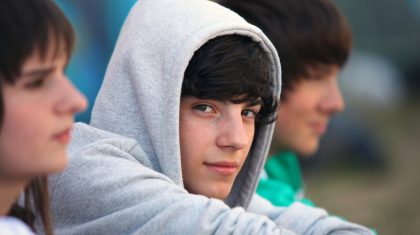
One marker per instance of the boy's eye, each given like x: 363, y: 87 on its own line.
x: 35, y: 83
x: 204, y: 108
x: 249, y: 113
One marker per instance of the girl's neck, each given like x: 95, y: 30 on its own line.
x: 9, y: 191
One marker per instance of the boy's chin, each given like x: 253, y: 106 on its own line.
x: 217, y: 191
x: 221, y: 193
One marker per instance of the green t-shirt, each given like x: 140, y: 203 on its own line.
x: 281, y: 182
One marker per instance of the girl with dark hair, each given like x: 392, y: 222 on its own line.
x: 37, y: 105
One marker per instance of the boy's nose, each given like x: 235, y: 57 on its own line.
x: 333, y: 101
x: 233, y: 134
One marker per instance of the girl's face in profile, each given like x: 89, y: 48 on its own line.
x: 38, y: 110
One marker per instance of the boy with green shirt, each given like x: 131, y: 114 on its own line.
x: 313, y: 41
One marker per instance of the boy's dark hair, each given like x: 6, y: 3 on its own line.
x: 308, y: 34
x: 232, y: 68
x: 26, y: 27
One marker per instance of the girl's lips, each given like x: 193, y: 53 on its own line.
x: 63, y: 136
x: 223, y: 168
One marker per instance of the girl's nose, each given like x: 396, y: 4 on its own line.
x: 72, y: 101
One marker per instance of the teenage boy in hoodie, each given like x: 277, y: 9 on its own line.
x: 313, y: 42
x: 196, y: 140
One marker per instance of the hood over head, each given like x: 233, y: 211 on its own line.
x: 141, y: 91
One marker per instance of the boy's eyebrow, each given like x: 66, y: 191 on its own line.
x: 256, y: 102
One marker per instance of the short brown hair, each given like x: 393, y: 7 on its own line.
x: 306, y: 33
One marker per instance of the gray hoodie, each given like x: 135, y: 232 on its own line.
x: 133, y: 184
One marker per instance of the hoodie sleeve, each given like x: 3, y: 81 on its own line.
x: 105, y: 190
x: 303, y: 219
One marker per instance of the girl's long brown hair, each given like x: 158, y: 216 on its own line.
x: 28, y: 26
x: 36, y: 200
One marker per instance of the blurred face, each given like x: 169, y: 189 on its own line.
x: 38, y: 115
x: 215, y: 140
x: 304, y: 115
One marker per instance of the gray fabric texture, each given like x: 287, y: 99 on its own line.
x: 133, y: 184
x: 140, y: 95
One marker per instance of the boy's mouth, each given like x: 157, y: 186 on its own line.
x: 225, y: 168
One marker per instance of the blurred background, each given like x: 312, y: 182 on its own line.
x: 367, y: 167
x: 97, y: 24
